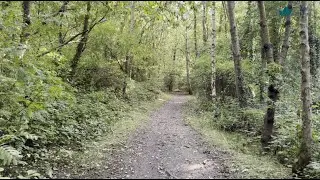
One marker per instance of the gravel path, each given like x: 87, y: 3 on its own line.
x: 166, y: 148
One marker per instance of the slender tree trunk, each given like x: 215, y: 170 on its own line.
x: 82, y: 43
x: 317, y: 41
x: 267, y: 46
x: 250, y: 31
x: 236, y: 55
x: 204, y: 22
x: 129, y: 58
x: 275, y: 38
x: 273, y: 93
x: 305, y: 153
x: 224, y: 9
x: 61, y: 11
x: 312, y: 42
x: 285, y: 44
x: 221, y: 21
x: 213, y: 48
x: 262, y: 86
x: 172, y: 76
x: 195, y: 31
x: 187, y: 63
x: 26, y: 23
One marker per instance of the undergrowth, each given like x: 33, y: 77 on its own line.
x: 240, y: 139
x: 46, y: 129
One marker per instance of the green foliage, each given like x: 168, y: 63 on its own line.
x: 9, y: 155
x: 41, y: 108
x: 251, y: 121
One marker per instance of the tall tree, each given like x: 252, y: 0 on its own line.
x: 273, y: 93
x: 195, y: 30
x: 60, y: 36
x: 213, y: 48
x: 26, y: 23
x: 236, y: 55
x: 305, y: 153
x: 82, y: 43
x: 188, y: 63
x: 172, y: 73
x: 312, y: 40
x: 285, y: 43
x: 129, y: 57
x: 204, y: 22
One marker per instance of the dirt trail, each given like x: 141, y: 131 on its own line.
x: 165, y: 148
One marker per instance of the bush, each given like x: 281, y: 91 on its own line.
x: 225, y: 77
x: 251, y: 121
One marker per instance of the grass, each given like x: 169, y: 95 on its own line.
x: 92, y: 159
x: 246, y: 161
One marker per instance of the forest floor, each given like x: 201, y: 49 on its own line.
x: 163, y: 147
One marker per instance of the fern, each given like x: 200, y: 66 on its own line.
x: 9, y: 155
x: 5, y: 139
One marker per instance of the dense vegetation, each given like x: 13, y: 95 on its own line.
x: 70, y: 69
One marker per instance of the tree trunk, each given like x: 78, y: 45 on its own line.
x: 61, y: 11
x: 204, y: 22
x: 172, y: 76
x: 26, y: 23
x: 213, y: 48
x: 220, y: 21
x: 82, y: 43
x: 236, y: 55
x: 262, y: 86
x: 267, y: 46
x: 275, y: 38
x: 250, y: 31
x: 312, y: 42
x: 273, y: 93
x: 305, y: 153
x: 195, y: 31
x: 285, y: 44
x: 224, y: 9
x: 128, y: 57
x: 187, y: 63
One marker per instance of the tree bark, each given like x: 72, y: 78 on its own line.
x: 129, y: 58
x: 305, y: 153
x: 195, y: 31
x: 273, y: 93
x: 312, y: 42
x: 60, y: 36
x: 213, y: 48
x: 226, y: 15
x: 267, y: 46
x: 285, y: 44
x: 236, y: 55
x: 26, y: 23
x: 250, y: 31
x: 82, y: 43
x: 204, y: 22
x: 172, y: 76
x: 187, y: 64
